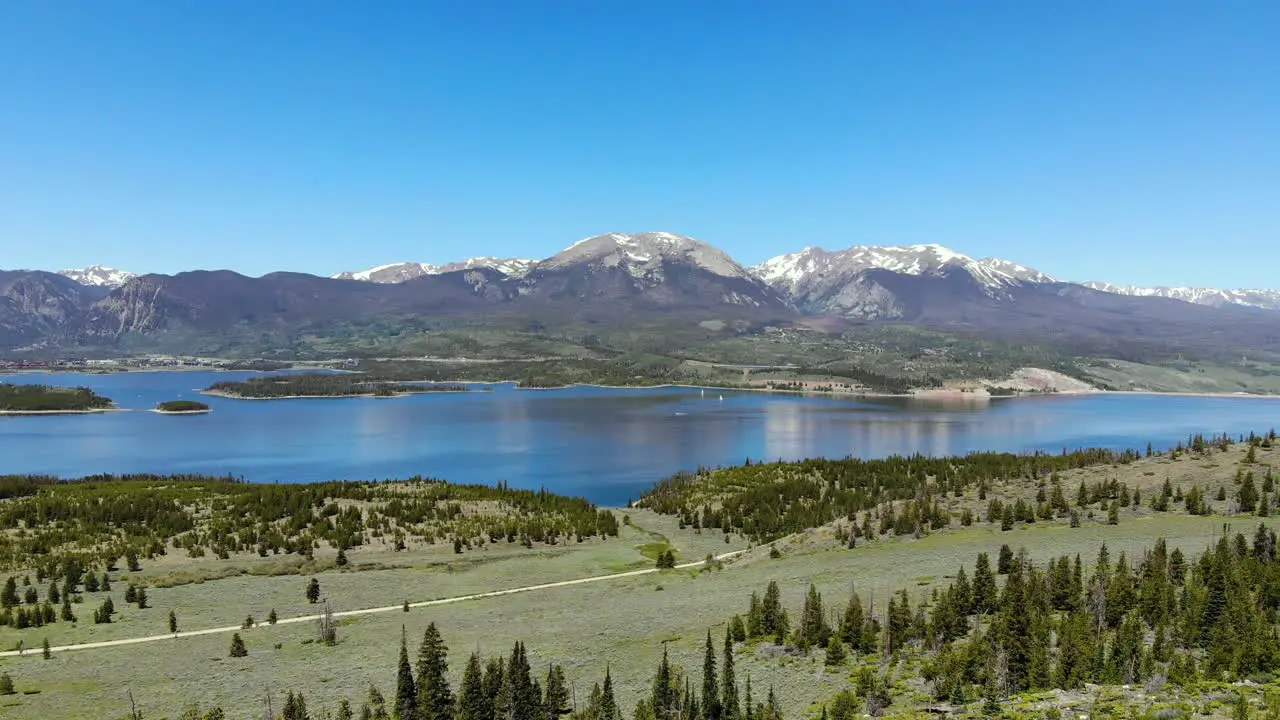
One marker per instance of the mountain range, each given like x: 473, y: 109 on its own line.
x: 620, y: 279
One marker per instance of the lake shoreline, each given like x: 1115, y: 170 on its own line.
x: 91, y: 411
x: 233, y: 396
x: 924, y: 394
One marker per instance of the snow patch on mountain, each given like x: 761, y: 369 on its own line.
x: 98, y: 276
x: 404, y: 271
x: 813, y: 268
x: 1215, y: 297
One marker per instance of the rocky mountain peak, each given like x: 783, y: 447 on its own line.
x: 98, y: 276
x: 641, y: 253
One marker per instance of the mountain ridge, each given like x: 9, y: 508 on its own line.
x: 618, y: 281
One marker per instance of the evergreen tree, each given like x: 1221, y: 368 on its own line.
x: 555, y: 700
x: 984, y: 587
x: 237, y: 646
x: 710, y: 703
x: 376, y: 704
x: 665, y: 696
x: 435, y: 699
x: 608, y: 705
x: 836, y: 655
x: 813, y: 630
x: 45, y: 650
x: 471, y: 694
x: 295, y: 708
x: 729, y: 707
x: 1005, y: 562
x: 495, y: 673
x: 313, y: 591
x: 851, y: 622
x: 406, y: 694
x: 173, y: 622
x: 6, y: 685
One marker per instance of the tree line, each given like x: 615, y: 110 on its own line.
x: 95, y: 521
x: 323, y: 385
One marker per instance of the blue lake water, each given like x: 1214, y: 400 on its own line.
x: 605, y: 444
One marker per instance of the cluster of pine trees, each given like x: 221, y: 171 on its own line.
x: 765, y: 501
x: 1151, y: 619
x: 97, y: 520
x: 506, y: 688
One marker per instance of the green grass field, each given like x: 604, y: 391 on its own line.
x: 625, y: 622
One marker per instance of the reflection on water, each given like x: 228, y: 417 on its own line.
x: 605, y: 444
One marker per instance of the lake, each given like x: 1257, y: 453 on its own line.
x: 604, y: 444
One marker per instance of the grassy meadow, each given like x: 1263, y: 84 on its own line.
x: 625, y: 622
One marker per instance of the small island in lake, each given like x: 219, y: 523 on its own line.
x: 181, y: 407
x: 320, y: 385
x: 50, y: 400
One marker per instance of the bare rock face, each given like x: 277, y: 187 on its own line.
x: 36, y: 306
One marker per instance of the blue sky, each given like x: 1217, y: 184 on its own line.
x: 1131, y: 142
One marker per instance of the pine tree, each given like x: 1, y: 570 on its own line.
x: 6, y: 685
x: 665, y: 695
x: 237, y: 646
x: 173, y: 622
x: 471, y: 695
x: 45, y: 650
x: 406, y: 695
x: 984, y: 587
x: 608, y: 705
x: 376, y: 704
x: 771, y: 610
x: 435, y: 699
x: 835, y: 652
x: 851, y: 622
x: 710, y: 683
x: 313, y: 591
x: 729, y: 707
x: 495, y: 676
x: 555, y: 699
x: 295, y: 708
x: 813, y: 630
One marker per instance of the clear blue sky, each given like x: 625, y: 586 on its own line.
x: 1125, y: 141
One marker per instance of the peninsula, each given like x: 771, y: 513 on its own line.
x: 50, y: 400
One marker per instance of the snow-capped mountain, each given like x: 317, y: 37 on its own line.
x: 404, y: 271
x: 814, y: 270
x: 657, y: 268
x: 1262, y: 299
x: 644, y: 253
x: 98, y: 276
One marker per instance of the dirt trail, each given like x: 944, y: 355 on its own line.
x: 37, y: 652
